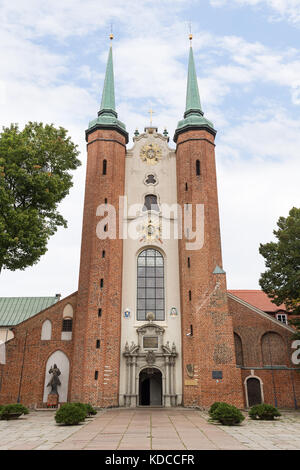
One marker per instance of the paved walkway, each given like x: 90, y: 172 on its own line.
x: 148, y: 428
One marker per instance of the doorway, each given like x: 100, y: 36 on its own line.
x: 254, y: 392
x: 150, y: 387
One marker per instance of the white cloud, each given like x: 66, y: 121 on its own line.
x: 43, y: 79
x: 282, y: 9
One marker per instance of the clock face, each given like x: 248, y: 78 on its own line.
x: 150, y: 154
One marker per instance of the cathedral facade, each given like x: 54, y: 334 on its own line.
x: 152, y: 322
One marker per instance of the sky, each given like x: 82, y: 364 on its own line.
x: 53, y: 58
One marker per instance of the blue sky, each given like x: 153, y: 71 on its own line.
x: 248, y: 64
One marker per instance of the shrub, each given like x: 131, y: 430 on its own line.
x: 13, y: 410
x: 228, y: 415
x: 264, y: 411
x: 214, y: 406
x: 90, y: 409
x: 70, y: 413
x: 82, y: 406
x: 87, y: 407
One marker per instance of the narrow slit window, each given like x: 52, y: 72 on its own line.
x: 101, y: 283
x: 99, y: 312
x: 104, y: 167
x: 103, y: 254
x: 189, y: 262
x: 98, y: 344
x: 96, y: 375
x: 198, y: 171
x: 190, y: 295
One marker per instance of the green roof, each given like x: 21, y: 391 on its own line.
x: 193, y: 116
x: 107, y: 116
x: 14, y: 310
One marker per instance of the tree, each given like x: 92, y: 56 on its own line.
x: 281, y: 281
x: 35, y: 176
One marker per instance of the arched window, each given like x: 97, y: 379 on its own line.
x: 273, y: 349
x: 150, y: 203
x: 104, y: 167
x: 46, y: 330
x: 198, y: 172
x: 238, y: 350
x: 150, y: 284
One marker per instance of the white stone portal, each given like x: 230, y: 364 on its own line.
x: 150, y: 169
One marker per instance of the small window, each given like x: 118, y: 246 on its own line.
x: 191, y: 330
x: 189, y: 262
x: 150, y: 203
x: 67, y: 324
x: 99, y: 312
x: 150, y: 179
x: 98, y: 344
x: 103, y: 254
x: 198, y: 168
x: 96, y: 375
x: 282, y: 317
x: 101, y: 283
x: 190, y: 295
x: 104, y: 167
x: 105, y: 200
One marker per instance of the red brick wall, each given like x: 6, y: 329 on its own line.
x: 212, y: 347
x: 280, y: 387
x: 28, y: 350
x: 109, y: 145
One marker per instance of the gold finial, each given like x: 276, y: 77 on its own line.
x: 111, y: 36
x: 190, y: 35
x: 151, y: 112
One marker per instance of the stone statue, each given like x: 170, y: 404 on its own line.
x: 54, y: 382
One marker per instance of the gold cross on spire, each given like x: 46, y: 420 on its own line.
x: 151, y: 112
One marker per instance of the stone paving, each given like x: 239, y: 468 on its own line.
x: 149, y: 428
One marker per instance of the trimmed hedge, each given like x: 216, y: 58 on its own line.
x: 70, y: 414
x: 90, y: 409
x: 13, y: 410
x: 228, y: 415
x: 87, y: 407
x: 264, y: 412
x: 214, y: 406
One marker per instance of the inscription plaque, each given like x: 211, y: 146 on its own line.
x: 150, y: 342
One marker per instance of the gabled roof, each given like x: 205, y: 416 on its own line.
x: 14, y: 310
x: 259, y: 311
x: 258, y: 299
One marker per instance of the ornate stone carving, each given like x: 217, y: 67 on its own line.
x: 190, y: 370
x: 150, y: 357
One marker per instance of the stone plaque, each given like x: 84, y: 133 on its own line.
x: 150, y: 342
x: 217, y: 374
x: 190, y: 382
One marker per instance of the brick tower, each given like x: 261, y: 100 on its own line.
x: 96, y: 358
x: 209, y: 368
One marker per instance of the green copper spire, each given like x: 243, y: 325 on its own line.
x: 107, y: 116
x: 193, y: 116
x: 108, y: 95
x: 192, y: 91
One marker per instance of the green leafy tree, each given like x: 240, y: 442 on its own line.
x: 281, y: 280
x: 35, y: 177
